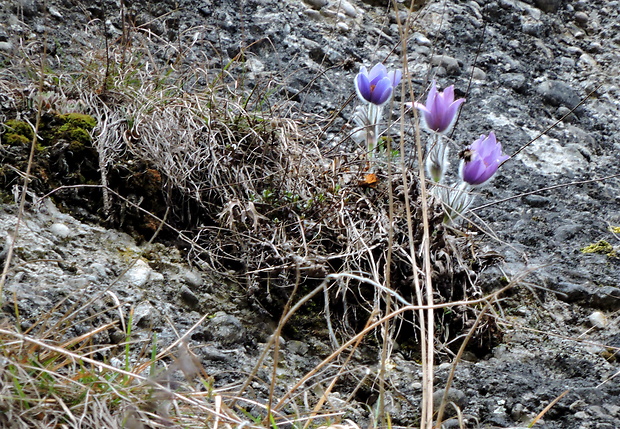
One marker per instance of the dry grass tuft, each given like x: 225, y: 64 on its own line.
x: 257, y: 200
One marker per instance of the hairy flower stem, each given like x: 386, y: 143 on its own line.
x: 372, y: 133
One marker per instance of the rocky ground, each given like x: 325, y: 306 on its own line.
x: 522, y: 65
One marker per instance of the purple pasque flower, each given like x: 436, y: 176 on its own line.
x: 481, y: 160
x: 376, y: 87
x: 440, y: 111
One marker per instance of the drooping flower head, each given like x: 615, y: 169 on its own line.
x: 376, y: 87
x: 481, y: 160
x: 440, y: 111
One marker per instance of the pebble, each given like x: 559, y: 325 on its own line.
x: 313, y: 14
x: 316, y: 4
x: 454, y: 395
x: 342, y: 26
x: 6, y: 46
x: 535, y: 200
x: 567, y: 232
x: 145, y: 315
x: 297, y: 347
x: 587, y: 62
x: 422, y: 40
x: 558, y: 93
x: 54, y: 12
x: 192, y: 278
x: 514, y: 81
x: 598, y: 320
x: 225, y: 328
x: 449, y: 63
x: 548, y: 5
x: 570, y: 292
x: 606, y: 298
x: 189, y: 298
x: 348, y: 8
x: 139, y: 274
x: 581, y: 17
x: 479, y: 74
x: 60, y: 230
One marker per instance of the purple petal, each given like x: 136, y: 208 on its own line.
x: 448, y: 94
x: 382, y: 91
x: 362, y: 87
x: 395, y: 76
x: 432, y: 94
x: 377, y: 73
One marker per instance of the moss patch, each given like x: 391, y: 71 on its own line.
x: 17, y: 133
x: 601, y: 247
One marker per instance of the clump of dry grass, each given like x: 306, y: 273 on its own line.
x: 256, y: 200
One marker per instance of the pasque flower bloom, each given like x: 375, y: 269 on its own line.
x: 440, y: 111
x: 377, y: 86
x: 481, y: 160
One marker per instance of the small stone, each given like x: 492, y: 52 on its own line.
x: 586, y: 62
x: 60, y: 230
x: 139, y: 274
x: 313, y: 14
x: 558, y: 93
x: 422, y: 40
x: 54, y: 12
x: 597, y: 320
x: 6, y: 46
x: 581, y: 17
x: 479, y: 74
x: 514, y: 81
x: 188, y: 297
x: 454, y: 395
x: 548, y: 5
x: 297, y: 347
x: 145, y: 315
x: 567, y: 232
x: 226, y: 328
x: 192, y: 278
x: 348, y: 8
x: 342, y: 26
x: 316, y: 4
x: 570, y: 292
x: 535, y: 200
x: 607, y: 298
x: 449, y: 63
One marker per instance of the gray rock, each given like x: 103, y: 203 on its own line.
x: 558, y: 93
x: 581, y: 17
x: 6, y: 47
x: 226, y: 329
x: 451, y: 64
x: 317, y: 4
x: 139, y: 274
x: 606, y: 298
x: 515, y: 81
x: 454, y: 395
x: 567, y: 232
x: 60, y: 230
x: 189, y: 298
x: 146, y: 316
x: 192, y: 278
x: 348, y: 8
x: 570, y: 292
x: 548, y: 5
x: 535, y: 200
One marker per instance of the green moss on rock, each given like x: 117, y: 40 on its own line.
x: 17, y: 133
x: 601, y: 247
x: 79, y: 120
